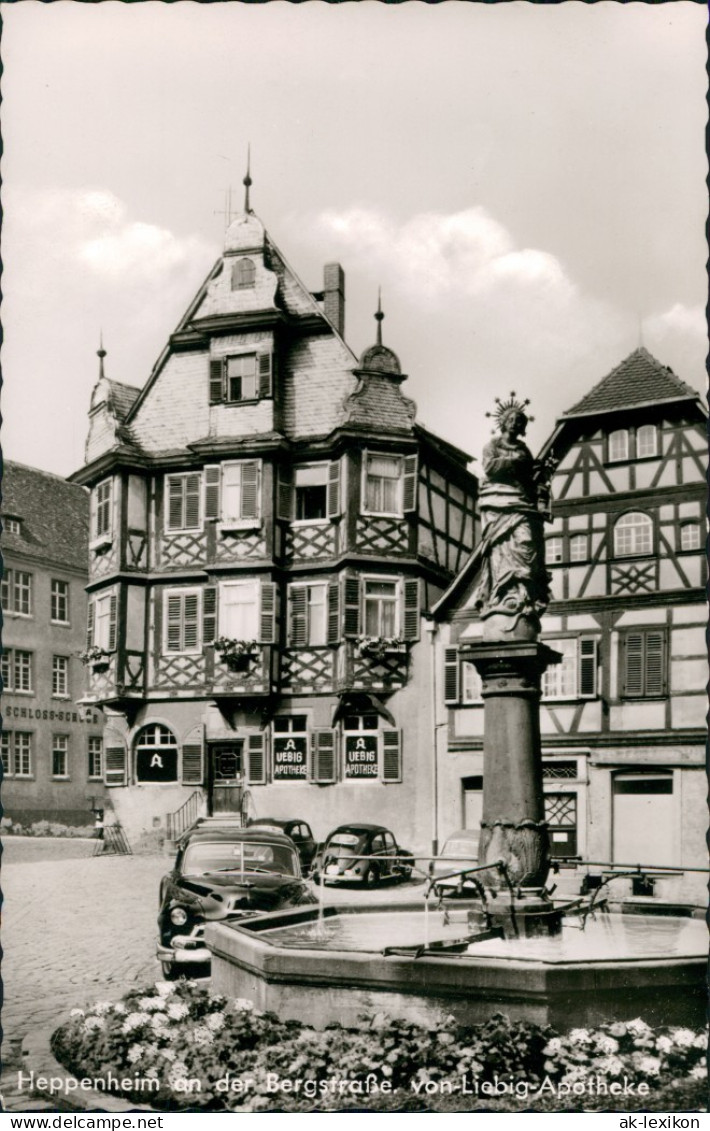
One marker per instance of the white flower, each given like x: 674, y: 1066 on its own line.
x: 243, y: 1005
x: 607, y: 1045
x: 699, y: 1071
x: 135, y: 1053
x: 202, y: 1035
x: 101, y: 1007
x: 575, y: 1074
x: 77, y: 1013
x: 151, y: 1003
x: 119, y: 1008
x: 134, y: 1021
x: 685, y: 1038
x: 553, y: 1047
x: 701, y: 1041
x: 158, y: 1022
x: 215, y: 1021
x: 169, y: 1054
x: 93, y: 1023
x: 609, y: 1066
x: 164, y: 989
x: 177, y: 1010
x: 638, y: 1028
x: 664, y: 1044
x: 651, y: 1065
x: 579, y: 1036
x: 152, y: 1073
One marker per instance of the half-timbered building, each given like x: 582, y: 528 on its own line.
x: 623, y: 715
x: 269, y: 526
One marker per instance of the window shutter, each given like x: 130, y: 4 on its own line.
x: 112, y: 624
x: 192, y: 501
x: 587, y: 667
x: 410, y: 621
x: 192, y: 757
x: 90, y: 625
x: 267, y: 611
x: 323, y: 756
x: 298, y: 615
x: 173, y: 639
x: 115, y: 762
x: 351, y: 606
x: 391, y: 755
x: 209, y: 614
x: 212, y: 477
x: 452, y: 693
x: 409, y: 484
x: 191, y: 631
x: 216, y: 379
x: 250, y: 489
x: 333, y: 612
x: 265, y: 363
x: 285, y: 493
x: 334, y: 488
x: 655, y: 663
x: 633, y: 664
x: 257, y: 759
x: 175, y: 503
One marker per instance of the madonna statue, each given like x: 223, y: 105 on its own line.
x: 513, y: 589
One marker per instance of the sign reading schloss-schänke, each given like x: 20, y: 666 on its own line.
x: 361, y: 756
x: 290, y: 757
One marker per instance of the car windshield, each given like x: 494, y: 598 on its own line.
x: 243, y: 857
x: 465, y: 848
x: 344, y: 840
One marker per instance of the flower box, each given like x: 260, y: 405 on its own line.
x: 376, y: 647
x: 236, y: 654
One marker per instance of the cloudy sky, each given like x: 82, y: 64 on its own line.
x: 526, y: 183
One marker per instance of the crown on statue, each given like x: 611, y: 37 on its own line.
x: 503, y: 408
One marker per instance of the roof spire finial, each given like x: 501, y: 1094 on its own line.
x: 101, y: 354
x: 640, y: 321
x: 247, y: 182
x: 379, y: 316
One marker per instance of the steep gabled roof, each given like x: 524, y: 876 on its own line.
x: 54, y: 517
x: 639, y: 380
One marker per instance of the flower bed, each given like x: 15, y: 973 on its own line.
x: 176, y: 1046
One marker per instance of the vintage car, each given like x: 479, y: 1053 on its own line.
x: 298, y: 830
x: 341, y: 858
x: 223, y: 872
x: 460, y: 851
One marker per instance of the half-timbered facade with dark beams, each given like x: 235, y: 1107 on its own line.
x: 623, y: 715
x: 269, y: 526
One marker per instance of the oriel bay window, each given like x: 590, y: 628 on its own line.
x: 101, y: 512
x: 183, y: 502
x: 101, y: 622
x: 247, y: 610
x: 381, y: 607
x: 310, y: 493
x: 389, y: 484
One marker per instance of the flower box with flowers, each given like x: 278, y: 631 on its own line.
x: 95, y: 658
x: 236, y: 654
x: 377, y: 647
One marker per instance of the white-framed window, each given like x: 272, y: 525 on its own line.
x: 243, y: 274
x: 182, y: 613
x: 184, y: 511
x: 310, y: 485
x: 239, y: 610
x: 101, y: 498
x: 646, y: 441
x: 102, y: 622
x: 578, y: 547
x: 240, y: 491
x: 95, y: 751
x: 471, y: 684
x: 59, y: 601
x: 60, y: 676
x: 289, y: 748
x: 382, y: 484
x: 156, y: 754
x: 690, y: 537
x: 308, y: 614
x: 242, y: 381
x: 22, y: 671
x: 6, y: 752
x: 618, y: 445
x: 633, y: 535
x: 16, y: 589
x: 60, y: 756
x: 13, y: 525
x: 381, y: 607
x: 554, y: 549
x: 575, y: 677
x: 22, y: 754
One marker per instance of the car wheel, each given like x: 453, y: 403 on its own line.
x: 371, y: 878
x: 168, y: 971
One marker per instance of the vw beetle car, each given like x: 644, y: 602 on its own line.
x: 460, y: 851
x: 298, y: 830
x: 222, y: 872
x: 338, y: 859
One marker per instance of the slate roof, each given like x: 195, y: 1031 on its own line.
x: 639, y: 379
x: 378, y: 403
x: 122, y: 397
x: 54, y: 517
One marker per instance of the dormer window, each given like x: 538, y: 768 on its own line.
x: 646, y: 441
x: 13, y: 525
x: 618, y: 445
x: 243, y: 274
x: 241, y: 377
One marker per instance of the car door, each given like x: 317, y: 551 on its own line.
x: 390, y: 853
x: 377, y: 848
x: 306, y: 845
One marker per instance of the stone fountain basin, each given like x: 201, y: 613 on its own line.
x: 332, y: 969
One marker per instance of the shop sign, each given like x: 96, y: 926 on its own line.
x: 51, y: 714
x: 361, y: 756
x: 290, y: 757
x: 156, y: 765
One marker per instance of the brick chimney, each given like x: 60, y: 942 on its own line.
x: 334, y: 295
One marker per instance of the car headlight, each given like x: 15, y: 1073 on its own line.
x: 178, y: 916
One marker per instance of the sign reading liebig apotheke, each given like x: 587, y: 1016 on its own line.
x: 290, y: 757
x: 361, y: 759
